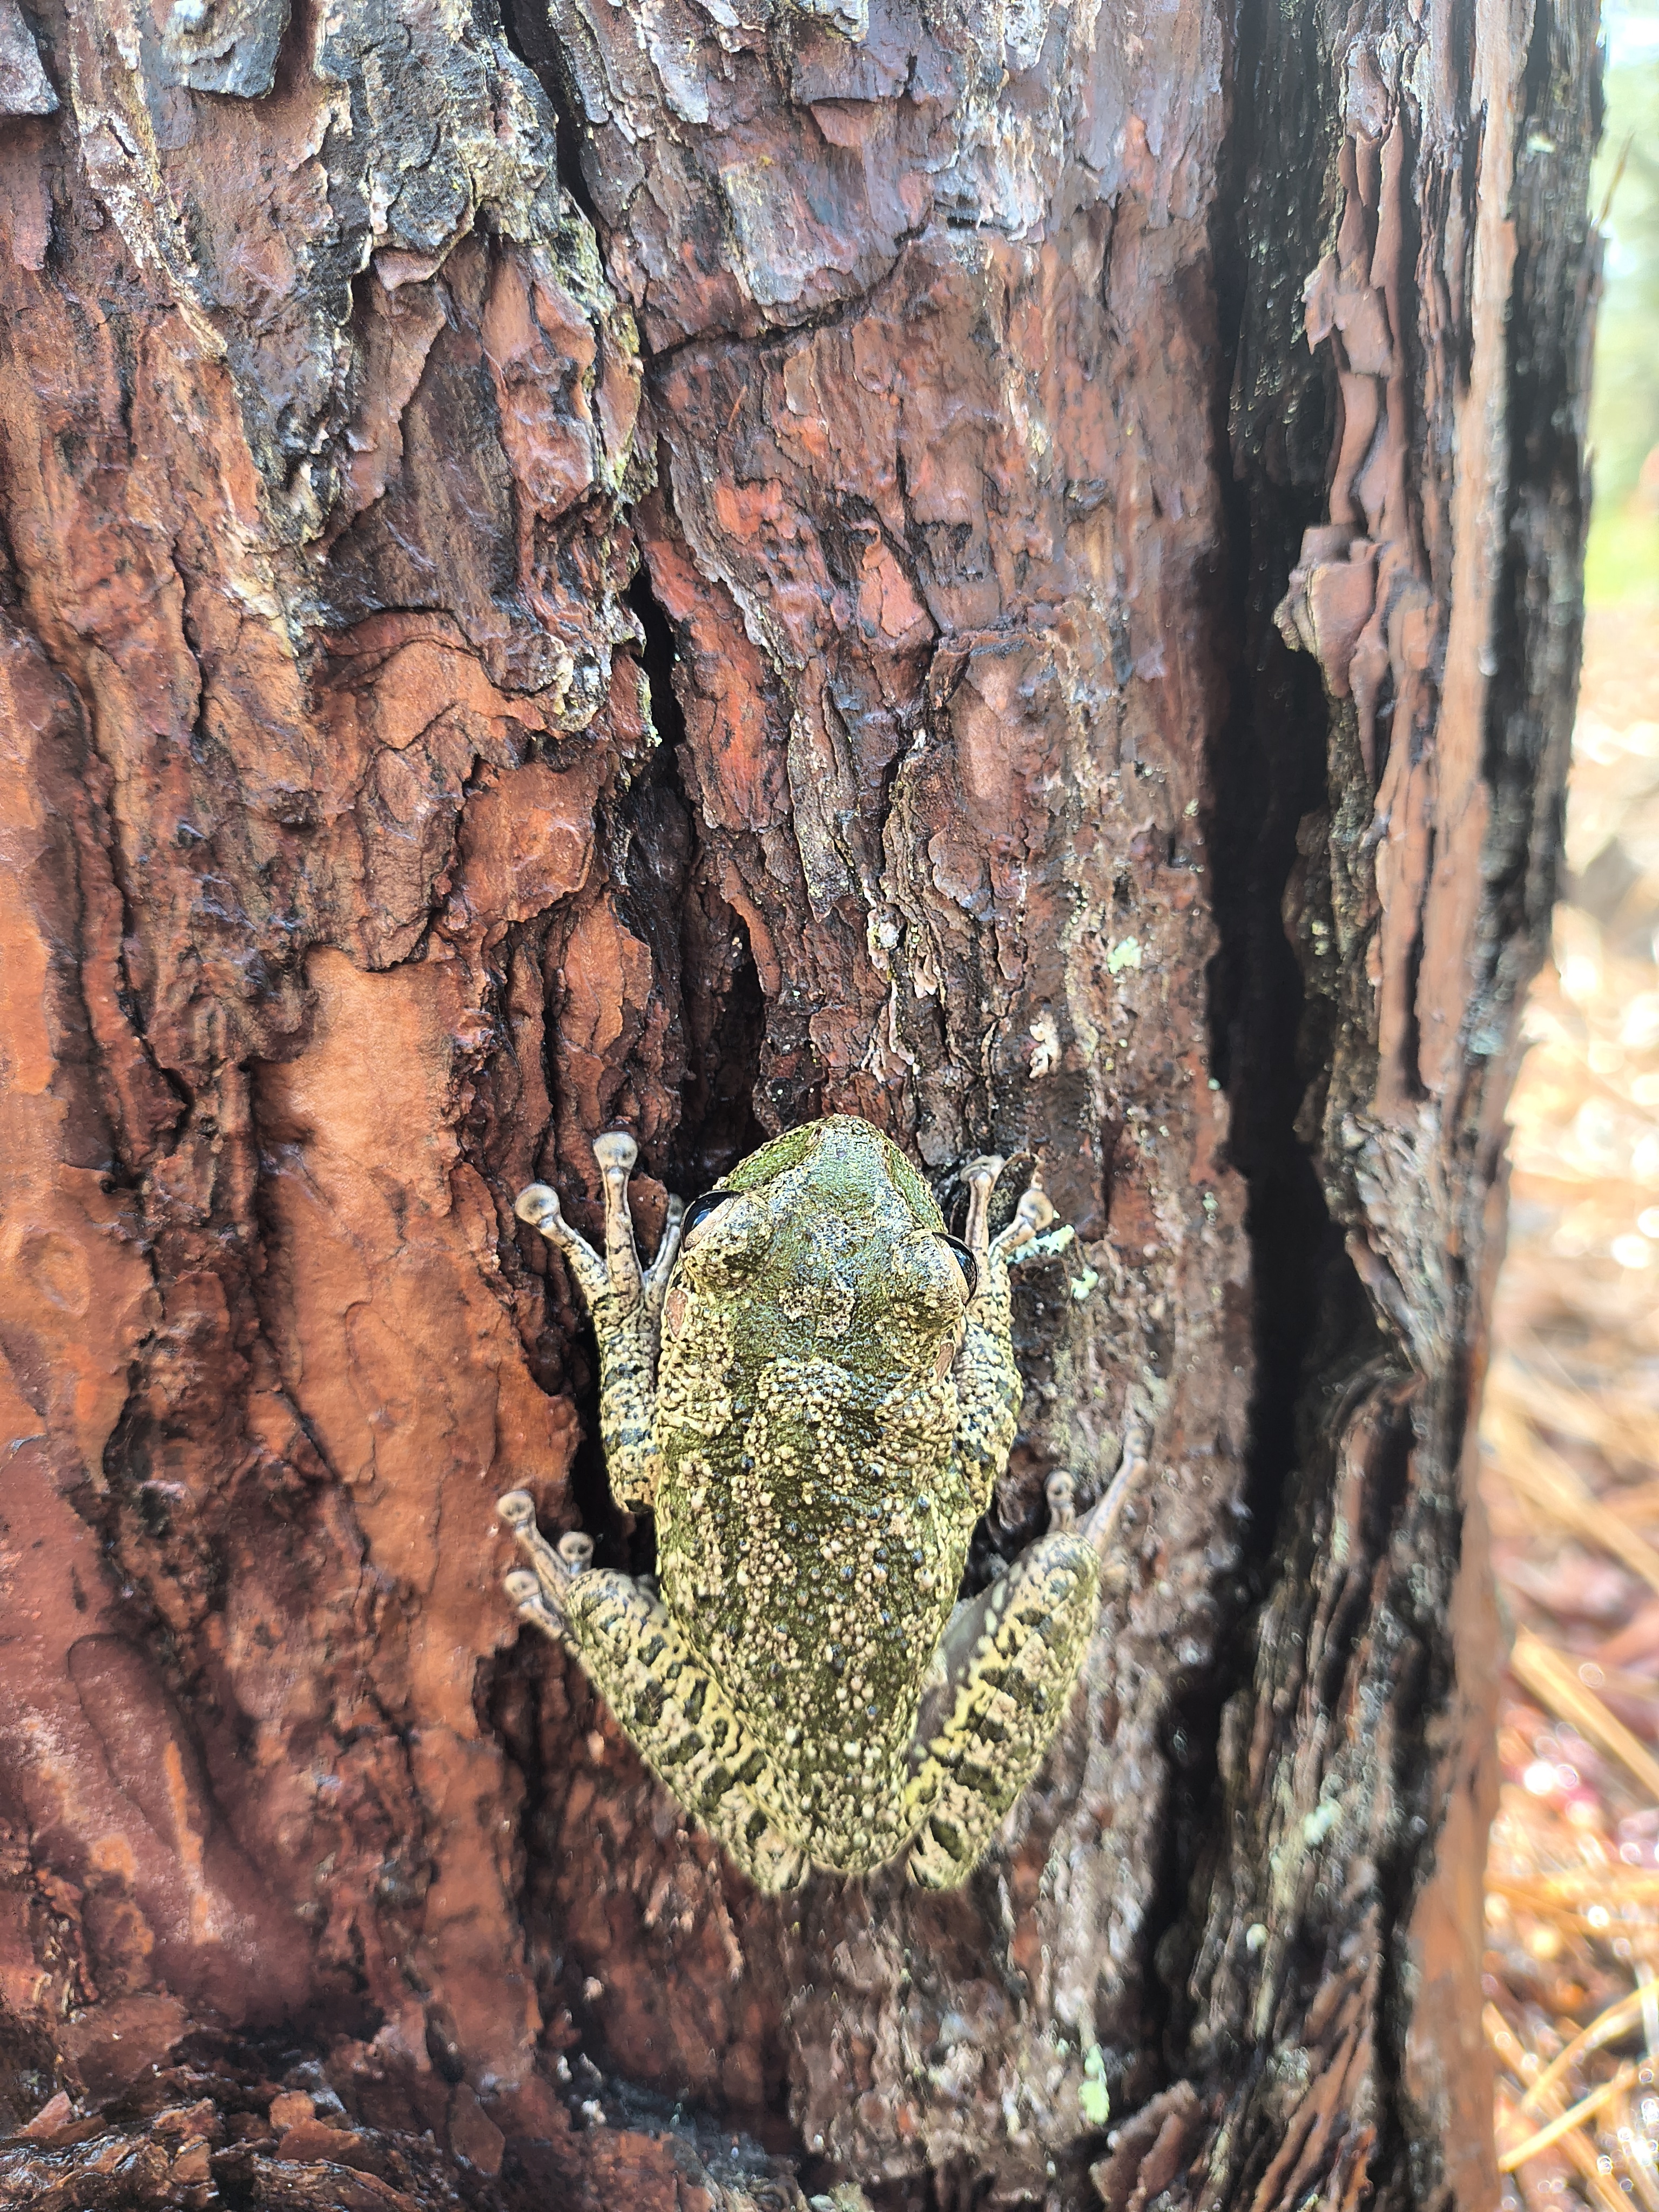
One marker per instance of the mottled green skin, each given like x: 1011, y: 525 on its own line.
x: 830, y: 1412
x: 813, y: 1514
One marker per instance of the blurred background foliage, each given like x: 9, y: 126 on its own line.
x: 1623, y: 562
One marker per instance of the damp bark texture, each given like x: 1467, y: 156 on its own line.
x: 1012, y: 568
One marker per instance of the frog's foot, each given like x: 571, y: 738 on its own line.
x: 1033, y: 1224
x: 617, y: 1277
x: 626, y: 1303
x: 988, y: 1381
x: 1099, y: 1524
x: 1006, y: 1665
x: 539, y: 1591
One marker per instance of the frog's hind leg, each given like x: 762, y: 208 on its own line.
x: 671, y: 1708
x: 1010, y: 1658
x: 626, y: 1303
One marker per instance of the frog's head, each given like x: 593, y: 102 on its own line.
x: 829, y: 1239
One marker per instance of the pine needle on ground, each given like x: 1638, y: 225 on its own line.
x: 1570, y: 1437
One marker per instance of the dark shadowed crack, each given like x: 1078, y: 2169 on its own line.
x: 722, y: 1010
x: 1267, y: 768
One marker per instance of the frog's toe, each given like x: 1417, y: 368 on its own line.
x: 1035, y: 1211
x: 615, y: 1149
x: 1099, y: 1524
x: 657, y: 1274
x: 552, y: 1570
x: 538, y: 1206
x: 1032, y: 1216
x: 981, y: 1177
x: 530, y: 1603
x: 1060, y: 1490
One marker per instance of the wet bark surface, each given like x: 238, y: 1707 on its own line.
x: 1010, y: 569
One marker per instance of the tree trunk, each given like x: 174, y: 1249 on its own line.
x: 976, y: 388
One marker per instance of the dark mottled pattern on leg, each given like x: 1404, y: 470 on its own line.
x: 677, y: 1720
x: 1010, y: 1699
x: 627, y: 1370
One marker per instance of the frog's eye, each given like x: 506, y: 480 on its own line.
x: 966, y: 1262
x: 727, y: 1233
x: 695, y: 1225
x: 928, y: 1284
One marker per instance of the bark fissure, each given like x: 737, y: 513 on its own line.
x: 716, y: 1125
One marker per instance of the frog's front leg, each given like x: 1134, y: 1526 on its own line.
x: 626, y: 1303
x: 674, y: 1713
x: 988, y: 1387
x: 1009, y: 1660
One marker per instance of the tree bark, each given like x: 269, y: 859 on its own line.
x: 1106, y: 489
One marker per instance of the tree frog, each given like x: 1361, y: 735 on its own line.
x: 814, y: 1386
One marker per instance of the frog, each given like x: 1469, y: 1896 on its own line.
x: 813, y: 1388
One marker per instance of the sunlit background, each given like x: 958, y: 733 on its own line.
x: 1572, y: 1425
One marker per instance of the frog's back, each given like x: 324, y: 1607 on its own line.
x: 810, y: 1537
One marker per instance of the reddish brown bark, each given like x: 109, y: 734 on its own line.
x: 373, y: 840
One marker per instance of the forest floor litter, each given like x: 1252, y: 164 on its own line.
x: 1570, y: 1480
